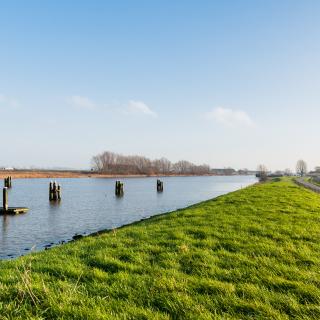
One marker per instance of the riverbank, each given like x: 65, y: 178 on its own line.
x: 252, y: 253
x: 55, y: 174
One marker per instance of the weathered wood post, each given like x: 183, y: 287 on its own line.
x: 5, y: 205
x: 8, y: 182
x: 59, y: 192
x: 119, y: 188
x: 50, y: 191
x: 159, y: 185
x: 5, y: 199
x: 54, y: 190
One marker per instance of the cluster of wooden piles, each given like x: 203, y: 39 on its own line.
x: 54, y: 191
x: 54, y: 194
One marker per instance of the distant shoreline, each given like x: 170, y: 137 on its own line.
x: 37, y: 174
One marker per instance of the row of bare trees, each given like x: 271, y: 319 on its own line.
x: 301, y: 170
x: 113, y: 163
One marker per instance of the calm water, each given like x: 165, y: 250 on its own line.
x: 89, y: 205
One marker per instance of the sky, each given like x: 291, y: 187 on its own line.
x: 228, y: 83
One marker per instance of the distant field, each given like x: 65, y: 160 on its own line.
x: 43, y: 174
x: 254, y: 253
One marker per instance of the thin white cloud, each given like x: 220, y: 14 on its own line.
x: 230, y: 118
x: 8, y: 102
x: 81, y: 102
x: 139, y: 107
x: 132, y: 107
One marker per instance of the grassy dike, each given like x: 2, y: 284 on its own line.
x: 254, y: 253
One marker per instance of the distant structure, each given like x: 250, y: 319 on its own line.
x: 7, y: 169
x: 315, y: 173
x: 223, y: 172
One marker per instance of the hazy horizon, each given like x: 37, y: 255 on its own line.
x: 230, y: 84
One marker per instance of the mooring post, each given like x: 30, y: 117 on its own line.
x: 5, y: 199
x: 159, y: 185
x: 51, y: 191
x: 59, y: 192
x: 55, y: 190
x: 8, y: 182
x: 119, y: 188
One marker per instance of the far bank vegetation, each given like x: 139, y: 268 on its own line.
x: 113, y: 163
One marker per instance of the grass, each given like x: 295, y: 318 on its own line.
x: 251, y: 254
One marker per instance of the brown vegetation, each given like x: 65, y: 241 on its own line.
x: 113, y: 163
x: 52, y: 174
x: 16, y: 174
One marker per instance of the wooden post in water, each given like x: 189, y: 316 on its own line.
x: 54, y: 191
x: 5, y: 199
x: 5, y: 205
x: 8, y: 182
x: 50, y: 191
x: 59, y: 192
x: 159, y: 185
x: 119, y: 188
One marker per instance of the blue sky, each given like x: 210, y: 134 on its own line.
x: 229, y: 83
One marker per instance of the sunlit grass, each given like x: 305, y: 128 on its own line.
x: 254, y: 253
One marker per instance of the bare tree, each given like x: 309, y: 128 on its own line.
x: 162, y: 165
x: 182, y: 167
x: 262, y: 172
x: 96, y: 163
x: 301, y: 168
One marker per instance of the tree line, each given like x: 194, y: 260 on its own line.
x: 301, y: 170
x: 114, y: 163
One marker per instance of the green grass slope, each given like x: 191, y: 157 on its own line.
x: 254, y: 253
